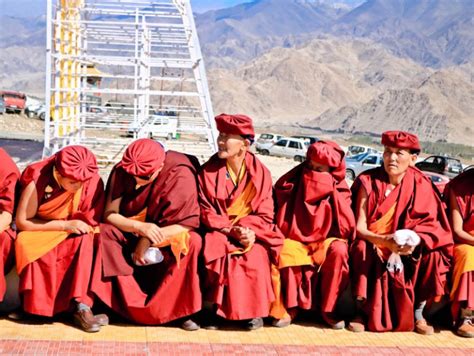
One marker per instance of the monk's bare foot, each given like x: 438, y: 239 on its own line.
x: 422, y: 327
x: 333, y: 322
x: 357, y: 325
x: 466, y: 329
x: 254, y: 324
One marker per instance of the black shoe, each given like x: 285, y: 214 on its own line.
x: 210, y: 320
x: 189, y: 325
x: 254, y: 324
x: 17, y: 315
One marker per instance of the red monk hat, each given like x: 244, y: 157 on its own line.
x: 76, y: 162
x: 401, y: 139
x: 142, y: 157
x: 328, y: 153
x: 235, y: 125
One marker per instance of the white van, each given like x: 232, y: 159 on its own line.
x: 290, y: 147
x: 358, y: 149
x: 159, y: 125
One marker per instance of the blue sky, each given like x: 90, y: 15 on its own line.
x: 36, y: 8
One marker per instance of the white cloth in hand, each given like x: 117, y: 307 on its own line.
x: 151, y: 256
x: 401, y: 237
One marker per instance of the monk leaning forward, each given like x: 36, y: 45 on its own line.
x: 146, y: 268
x: 401, y: 256
x: 61, y: 202
x: 237, y: 211
x: 314, y: 214
x: 9, y: 177
x: 460, y: 192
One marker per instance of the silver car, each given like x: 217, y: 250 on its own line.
x: 289, y: 147
x: 265, y: 140
x: 354, y: 167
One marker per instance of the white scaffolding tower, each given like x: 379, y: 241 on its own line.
x: 118, y: 70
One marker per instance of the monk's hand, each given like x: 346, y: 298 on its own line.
x: 139, y: 253
x: 226, y: 230
x: 389, y: 242
x: 77, y: 227
x: 152, y: 232
x: 235, y: 232
x: 247, y: 237
x: 406, y: 250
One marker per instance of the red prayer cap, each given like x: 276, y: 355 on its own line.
x: 235, y: 125
x: 401, y: 139
x: 142, y: 157
x: 76, y: 162
x: 326, y: 152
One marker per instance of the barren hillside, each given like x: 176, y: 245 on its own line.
x: 352, y: 86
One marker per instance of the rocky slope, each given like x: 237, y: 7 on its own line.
x: 351, y: 86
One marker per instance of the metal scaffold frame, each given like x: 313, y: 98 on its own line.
x: 118, y: 70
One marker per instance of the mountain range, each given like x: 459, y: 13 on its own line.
x: 435, y: 33
x: 351, y: 86
x: 341, y: 66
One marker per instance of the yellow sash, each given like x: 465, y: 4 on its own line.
x: 295, y: 253
x: 179, y: 243
x: 32, y: 245
x: 463, y: 263
x: 384, y: 226
x: 241, y: 206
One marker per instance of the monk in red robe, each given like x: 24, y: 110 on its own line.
x: 237, y: 211
x: 460, y: 194
x: 151, y: 212
x: 9, y: 177
x: 62, y: 199
x: 401, y: 256
x: 314, y: 214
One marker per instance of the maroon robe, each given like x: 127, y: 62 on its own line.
x: 311, y: 207
x: 239, y: 285
x: 49, y: 284
x: 158, y: 293
x: 391, y: 297
x: 463, y: 189
x: 9, y: 177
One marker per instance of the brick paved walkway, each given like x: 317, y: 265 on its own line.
x: 58, y: 338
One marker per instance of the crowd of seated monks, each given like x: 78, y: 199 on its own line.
x: 169, y: 240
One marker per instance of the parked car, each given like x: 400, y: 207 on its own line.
x: 311, y: 139
x: 159, y: 126
x: 265, y: 139
x: 468, y: 167
x: 448, y: 166
x: 14, y: 100
x: 2, y: 105
x: 290, y: 147
x: 439, y: 180
x: 35, y: 111
x: 354, y: 168
x: 41, y: 113
x: 357, y: 149
x: 356, y: 158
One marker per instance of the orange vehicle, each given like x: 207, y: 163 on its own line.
x: 14, y: 100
